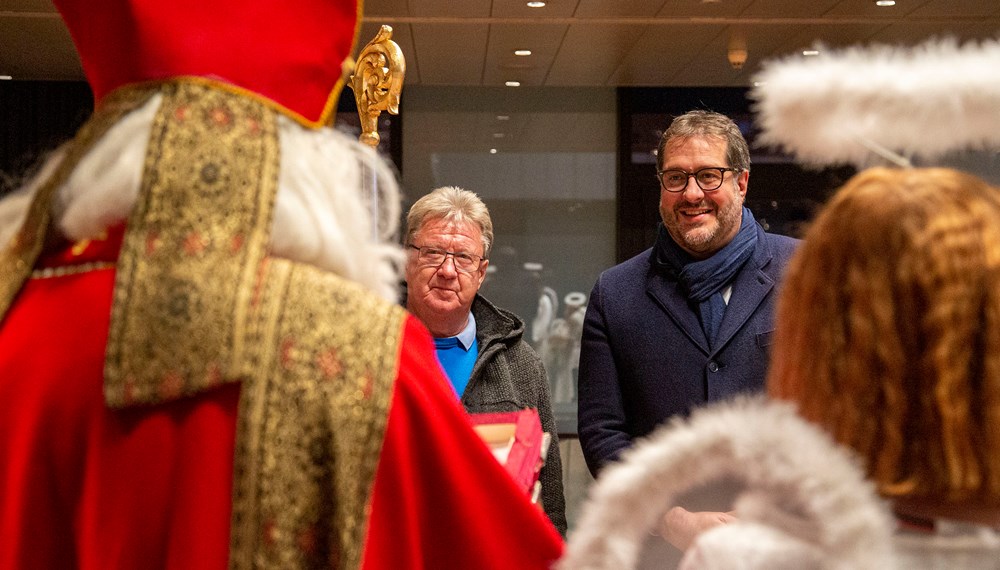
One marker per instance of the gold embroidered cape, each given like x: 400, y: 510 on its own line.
x: 197, y: 303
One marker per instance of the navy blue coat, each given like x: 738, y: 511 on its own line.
x: 644, y: 357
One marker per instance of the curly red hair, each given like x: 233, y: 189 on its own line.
x: 889, y: 330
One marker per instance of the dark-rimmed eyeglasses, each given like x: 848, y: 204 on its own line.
x: 708, y: 179
x: 433, y: 257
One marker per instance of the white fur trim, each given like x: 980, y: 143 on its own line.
x: 751, y: 545
x: 840, y: 106
x: 786, y: 465
x: 104, y: 185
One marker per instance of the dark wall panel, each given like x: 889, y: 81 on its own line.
x: 35, y: 116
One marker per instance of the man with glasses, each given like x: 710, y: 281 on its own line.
x: 480, y: 346
x: 688, y: 321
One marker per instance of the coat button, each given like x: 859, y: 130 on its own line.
x: 713, y: 367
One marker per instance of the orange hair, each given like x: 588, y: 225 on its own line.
x: 889, y: 330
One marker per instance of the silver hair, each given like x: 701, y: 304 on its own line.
x: 708, y: 123
x: 453, y: 204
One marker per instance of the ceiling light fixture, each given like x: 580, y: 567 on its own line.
x: 493, y: 151
x: 536, y: 4
x: 737, y: 52
x: 6, y: 77
x: 522, y: 52
x: 503, y: 117
x: 885, y: 3
x: 810, y: 52
x: 513, y: 84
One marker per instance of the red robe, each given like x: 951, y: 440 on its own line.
x: 85, y: 486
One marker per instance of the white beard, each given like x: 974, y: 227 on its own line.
x: 321, y: 215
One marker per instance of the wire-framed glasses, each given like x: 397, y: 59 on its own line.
x: 433, y: 257
x: 708, y: 179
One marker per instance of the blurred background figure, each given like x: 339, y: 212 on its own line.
x: 560, y: 345
x: 481, y: 347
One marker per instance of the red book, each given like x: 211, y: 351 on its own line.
x: 517, y: 441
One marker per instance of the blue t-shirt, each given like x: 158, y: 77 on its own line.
x: 457, y: 355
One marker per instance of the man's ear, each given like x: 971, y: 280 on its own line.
x: 482, y: 271
x: 741, y: 182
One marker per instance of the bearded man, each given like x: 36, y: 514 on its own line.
x: 688, y: 321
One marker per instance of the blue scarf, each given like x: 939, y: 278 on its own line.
x: 703, y: 281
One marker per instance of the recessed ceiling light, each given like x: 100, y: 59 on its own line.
x: 885, y: 3
x: 503, y: 117
x: 6, y: 77
x: 522, y: 52
x: 498, y: 135
x: 493, y: 151
x: 810, y: 52
x: 536, y: 4
x: 513, y: 84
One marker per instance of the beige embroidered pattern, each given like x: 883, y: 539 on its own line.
x: 192, y: 247
x: 313, y: 419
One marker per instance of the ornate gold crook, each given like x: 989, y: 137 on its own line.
x: 377, y: 82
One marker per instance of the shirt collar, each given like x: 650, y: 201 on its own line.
x: 468, y: 334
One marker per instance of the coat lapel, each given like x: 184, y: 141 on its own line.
x: 666, y: 294
x: 751, y: 286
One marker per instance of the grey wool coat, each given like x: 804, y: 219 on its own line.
x: 509, y: 376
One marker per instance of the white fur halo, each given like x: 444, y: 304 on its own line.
x: 852, y: 105
x: 785, y: 465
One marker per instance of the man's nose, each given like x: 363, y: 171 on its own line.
x: 448, y: 267
x: 692, y: 192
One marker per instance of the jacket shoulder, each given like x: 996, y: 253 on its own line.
x: 782, y: 247
x: 494, y: 323
x: 627, y: 270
